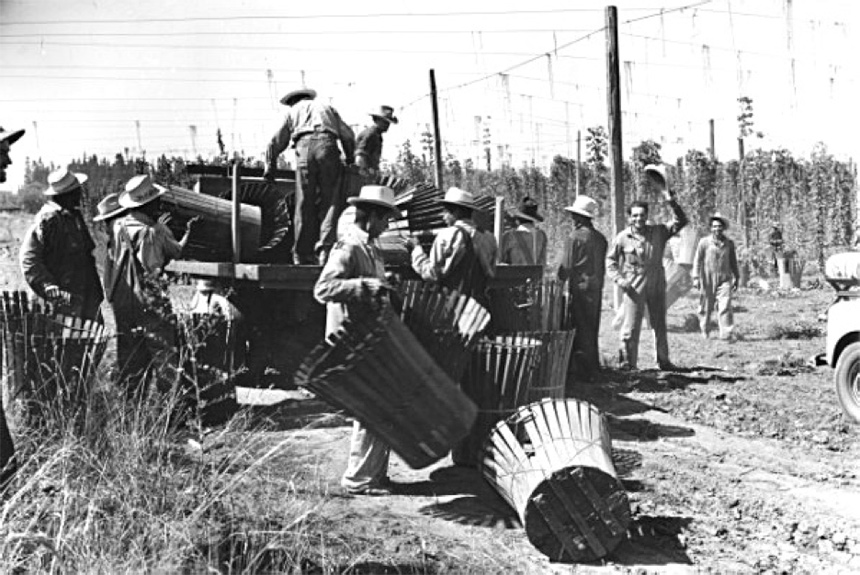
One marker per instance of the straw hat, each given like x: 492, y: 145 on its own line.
x: 297, y: 95
x: 385, y: 113
x: 108, y: 208
x: 584, y: 206
x: 10, y: 137
x: 527, y: 210
x: 63, y: 181
x: 718, y: 216
x: 656, y: 174
x: 458, y: 197
x: 139, y: 191
x: 375, y: 196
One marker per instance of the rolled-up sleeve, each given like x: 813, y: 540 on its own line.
x: 279, y: 142
x: 447, y: 249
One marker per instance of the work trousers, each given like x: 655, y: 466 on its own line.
x: 368, y: 459
x: 654, y: 298
x: 7, y: 451
x: 144, y: 348
x: 318, y: 196
x: 717, y: 296
x: 585, y: 308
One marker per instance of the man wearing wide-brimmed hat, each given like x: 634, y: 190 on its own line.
x: 354, y: 277
x: 57, y: 251
x: 7, y: 447
x: 7, y: 138
x: 314, y: 128
x: 525, y: 245
x: 716, y: 274
x: 583, y: 265
x: 635, y: 264
x: 462, y: 257
x: 108, y: 211
x: 142, y: 246
x: 368, y: 144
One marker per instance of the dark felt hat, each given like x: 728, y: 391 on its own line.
x: 297, y: 95
x: 528, y: 210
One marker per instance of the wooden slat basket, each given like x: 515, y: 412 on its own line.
x: 552, y: 462
x: 380, y: 373
x: 447, y: 323
x: 48, y: 359
x: 497, y: 379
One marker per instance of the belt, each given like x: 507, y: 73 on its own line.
x: 318, y: 133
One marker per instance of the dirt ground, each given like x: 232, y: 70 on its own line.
x: 740, y: 461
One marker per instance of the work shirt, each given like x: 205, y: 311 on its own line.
x: 638, y: 257
x: 352, y: 259
x: 716, y: 261
x: 57, y: 251
x: 524, y: 246
x: 583, y: 261
x: 449, y: 248
x: 369, y: 145
x: 308, y: 117
x: 154, y: 242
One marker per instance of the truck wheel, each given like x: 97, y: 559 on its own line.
x: 847, y: 379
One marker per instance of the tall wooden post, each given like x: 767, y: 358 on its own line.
x: 499, y: 222
x: 437, y: 137
x: 613, y: 94
x: 713, y: 148
x: 234, y: 221
x: 578, y: 162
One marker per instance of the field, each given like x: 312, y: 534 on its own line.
x: 740, y: 461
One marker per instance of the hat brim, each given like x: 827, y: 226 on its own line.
x: 390, y: 120
x: 357, y: 201
x: 724, y: 221
x: 573, y: 210
x: 297, y: 95
x: 81, y: 178
x: 126, y: 202
x: 459, y: 204
x: 534, y: 218
x: 12, y: 137
x: 654, y: 175
x: 113, y: 214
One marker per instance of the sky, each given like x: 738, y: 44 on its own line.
x: 160, y: 77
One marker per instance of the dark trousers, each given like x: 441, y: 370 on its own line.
x: 7, y: 451
x: 142, y: 348
x: 585, y: 308
x: 318, y: 197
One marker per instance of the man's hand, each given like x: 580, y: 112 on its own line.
x: 624, y: 284
x: 269, y: 174
x: 374, y: 288
x: 361, y: 162
x: 192, y: 223
x: 57, y: 295
x: 165, y: 218
x: 410, y: 243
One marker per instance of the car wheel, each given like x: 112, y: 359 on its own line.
x: 847, y: 378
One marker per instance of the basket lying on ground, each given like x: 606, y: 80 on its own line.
x: 49, y: 359
x: 375, y: 369
x: 552, y: 462
x: 497, y: 379
x: 447, y: 323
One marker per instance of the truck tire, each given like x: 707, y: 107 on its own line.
x: 847, y: 378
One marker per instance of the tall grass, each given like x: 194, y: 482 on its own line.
x: 131, y: 487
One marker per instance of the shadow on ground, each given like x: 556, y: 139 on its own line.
x: 653, y: 541
x: 639, y: 429
x: 475, y: 502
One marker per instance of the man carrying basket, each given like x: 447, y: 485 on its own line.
x: 354, y: 277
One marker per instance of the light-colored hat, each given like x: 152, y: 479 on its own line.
x: 108, y: 208
x: 385, y: 113
x: 63, y: 181
x: 458, y: 197
x: 297, y: 95
x: 657, y: 174
x: 10, y: 137
x: 139, y: 191
x: 584, y: 206
x: 720, y: 217
x: 375, y: 196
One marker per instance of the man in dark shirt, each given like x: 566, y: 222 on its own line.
x: 57, y: 251
x: 368, y: 144
x: 583, y: 265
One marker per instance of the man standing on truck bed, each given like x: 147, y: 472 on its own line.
x: 368, y: 148
x: 314, y: 128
